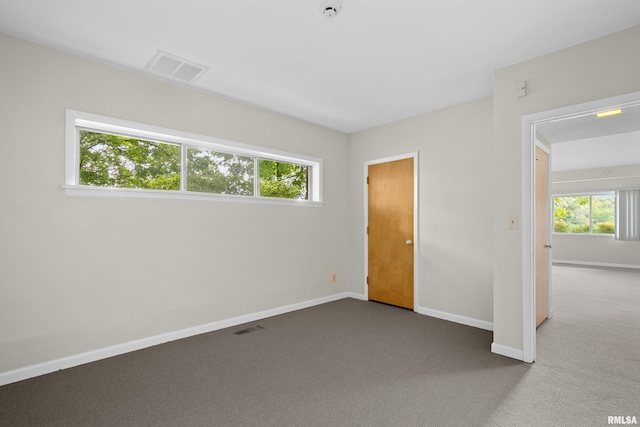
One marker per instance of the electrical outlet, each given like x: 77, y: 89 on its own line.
x: 334, y: 278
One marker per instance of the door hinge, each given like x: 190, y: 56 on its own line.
x: 367, y: 180
x: 367, y: 280
x: 367, y: 229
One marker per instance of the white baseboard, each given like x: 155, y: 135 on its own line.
x: 481, y: 324
x: 595, y: 264
x: 31, y: 371
x: 361, y: 297
x: 503, y: 350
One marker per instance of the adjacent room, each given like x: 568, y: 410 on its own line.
x: 319, y: 213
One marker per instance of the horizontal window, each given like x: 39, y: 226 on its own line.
x: 106, y: 156
x: 584, y: 214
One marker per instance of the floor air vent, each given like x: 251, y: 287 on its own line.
x: 246, y: 331
x: 174, y: 67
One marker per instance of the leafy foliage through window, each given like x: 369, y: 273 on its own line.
x: 584, y: 214
x: 108, y: 160
x: 123, y: 162
x: 286, y: 180
x: 219, y: 173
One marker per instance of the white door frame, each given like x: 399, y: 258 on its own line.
x: 528, y: 137
x: 416, y: 241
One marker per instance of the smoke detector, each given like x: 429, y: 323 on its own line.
x: 330, y: 8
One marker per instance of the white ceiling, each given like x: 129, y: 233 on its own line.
x: 586, y: 141
x: 598, y: 152
x: 588, y: 125
x: 375, y: 62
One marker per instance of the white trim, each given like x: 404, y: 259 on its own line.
x: 87, y: 190
x: 355, y: 296
x: 581, y: 235
x: 416, y: 234
x: 528, y: 138
x: 504, y: 350
x: 528, y: 353
x: 595, y: 264
x: 79, y: 119
x: 585, y: 193
x: 544, y: 148
x: 463, y: 320
x: 115, y: 350
x: 595, y: 193
x: 550, y: 226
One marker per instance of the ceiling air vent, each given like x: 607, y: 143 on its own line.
x: 174, y: 67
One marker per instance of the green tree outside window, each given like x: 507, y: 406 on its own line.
x: 124, y: 162
x: 584, y: 214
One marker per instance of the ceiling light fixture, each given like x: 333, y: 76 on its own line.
x: 330, y: 8
x: 608, y: 113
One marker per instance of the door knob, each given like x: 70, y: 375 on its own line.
x: 548, y: 245
x: 409, y: 242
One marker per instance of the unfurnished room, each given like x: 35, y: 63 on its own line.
x: 319, y: 213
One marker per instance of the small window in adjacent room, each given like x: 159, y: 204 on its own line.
x: 584, y: 214
x: 112, y: 157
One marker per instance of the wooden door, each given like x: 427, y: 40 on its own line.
x: 542, y: 243
x: 390, y: 232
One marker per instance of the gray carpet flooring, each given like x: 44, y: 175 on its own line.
x: 588, y: 353
x: 356, y: 363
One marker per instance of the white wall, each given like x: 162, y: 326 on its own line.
x: 595, y: 249
x: 596, y: 179
x: 590, y: 71
x: 455, y: 204
x: 82, y: 273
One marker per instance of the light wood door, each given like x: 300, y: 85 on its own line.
x: 390, y: 232
x: 542, y: 243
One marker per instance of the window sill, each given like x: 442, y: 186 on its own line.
x: 583, y: 234
x: 86, y: 190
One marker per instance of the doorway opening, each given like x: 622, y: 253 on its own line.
x: 531, y: 132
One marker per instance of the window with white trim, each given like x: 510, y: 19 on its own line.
x: 107, y: 156
x: 585, y: 214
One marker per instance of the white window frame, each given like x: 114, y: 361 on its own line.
x: 78, y: 120
x: 589, y: 194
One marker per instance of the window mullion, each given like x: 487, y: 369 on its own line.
x: 77, y: 159
x: 590, y: 214
x: 183, y: 167
x: 256, y: 177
